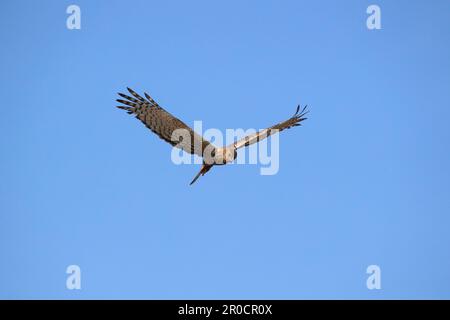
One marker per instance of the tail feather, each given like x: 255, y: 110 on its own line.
x: 205, y: 168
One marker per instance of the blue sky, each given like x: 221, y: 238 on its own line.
x: 365, y: 181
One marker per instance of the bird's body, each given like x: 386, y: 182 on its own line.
x: 178, y: 134
x: 221, y: 155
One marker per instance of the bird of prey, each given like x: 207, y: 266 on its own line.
x: 165, y: 125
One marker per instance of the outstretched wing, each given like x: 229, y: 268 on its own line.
x: 294, y: 121
x: 163, y: 123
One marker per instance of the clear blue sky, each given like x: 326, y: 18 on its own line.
x: 365, y: 181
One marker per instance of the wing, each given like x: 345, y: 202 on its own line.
x: 163, y: 123
x: 294, y: 121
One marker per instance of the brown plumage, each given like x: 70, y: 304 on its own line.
x: 162, y: 123
x: 166, y: 126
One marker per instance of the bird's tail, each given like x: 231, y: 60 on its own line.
x: 205, y: 168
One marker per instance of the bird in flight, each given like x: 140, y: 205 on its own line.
x: 178, y: 134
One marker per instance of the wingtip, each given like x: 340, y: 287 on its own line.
x: 148, y: 97
x: 304, y: 110
x: 296, y: 111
